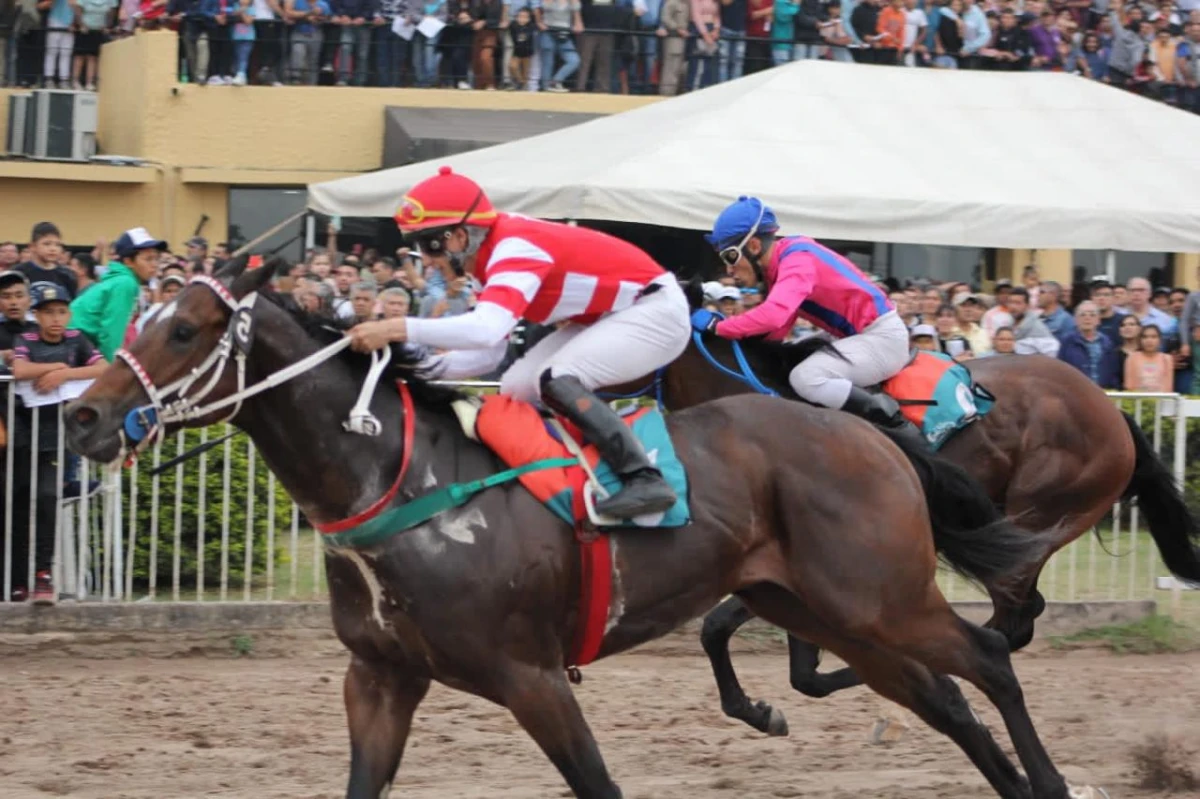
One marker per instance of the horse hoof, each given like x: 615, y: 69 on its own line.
x: 776, y: 724
x: 1086, y: 792
x: 887, y: 730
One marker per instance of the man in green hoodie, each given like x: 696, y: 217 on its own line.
x: 103, y: 312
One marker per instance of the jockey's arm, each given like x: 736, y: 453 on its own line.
x: 482, y: 329
x: 462, y: 364
x: 792, y: 288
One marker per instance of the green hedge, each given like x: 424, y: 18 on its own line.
x: 1191, y: 486
x: 168, y: 490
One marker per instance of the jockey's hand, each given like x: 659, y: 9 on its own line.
x: 705, y: 321
x: 371, y: 336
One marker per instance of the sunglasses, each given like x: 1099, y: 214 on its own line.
x: 732, y: 254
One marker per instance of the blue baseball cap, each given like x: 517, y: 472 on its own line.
x: 738, y: 219
x: 135, y: 239
x: 43, y: 292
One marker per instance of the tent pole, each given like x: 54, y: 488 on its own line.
x: 1110, y: 265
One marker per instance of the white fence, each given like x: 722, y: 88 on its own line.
x: 198, y: 532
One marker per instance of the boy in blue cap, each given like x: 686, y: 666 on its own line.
x: 103, y: 313
x: 47, y: 358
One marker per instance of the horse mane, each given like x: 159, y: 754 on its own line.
x: 405, y: 365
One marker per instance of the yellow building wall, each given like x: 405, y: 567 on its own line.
x: 84, y: 212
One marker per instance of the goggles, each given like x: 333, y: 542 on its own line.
x: 732, y: 254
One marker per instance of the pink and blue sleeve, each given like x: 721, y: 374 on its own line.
x: 794, y: 284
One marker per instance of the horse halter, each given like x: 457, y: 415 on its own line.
x: 177, y: 403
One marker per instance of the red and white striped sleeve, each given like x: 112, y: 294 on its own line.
x: 514, y: 274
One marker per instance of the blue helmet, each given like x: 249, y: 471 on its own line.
x: 740, y: 218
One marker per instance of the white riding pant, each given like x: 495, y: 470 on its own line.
x: 872, y: 356
x: 616, y: 349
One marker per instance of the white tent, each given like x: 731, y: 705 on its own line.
x: 847, y: 151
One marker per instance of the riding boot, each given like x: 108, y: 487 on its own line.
x: 644, y: 490
x: 883, y: 411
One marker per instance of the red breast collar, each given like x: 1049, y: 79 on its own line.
x: 380, y: 504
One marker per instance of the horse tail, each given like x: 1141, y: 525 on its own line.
x: 1173, y: 527
x: 970, y: 533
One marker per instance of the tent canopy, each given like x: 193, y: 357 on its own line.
x: 857, y: 152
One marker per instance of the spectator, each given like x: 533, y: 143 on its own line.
x: 864, y: 20
x: 1148, y: 368
x: 362, y: 301
x: 242, y: 39
x: 1160, y: 298
x: 1032, y: 282
x: 1013, y: 49
x: 931, y: 300
x: 1056, y: 318
x: 891, y: 25
x: 1128, y: 46
x: 672, y: 32
x: 951, y: 340
x: 915, y: 28
x: 83, y: 267
x: 105, y: 311
x: 705, y: 43
x: 559, y: 19
x: 47, y: 358
x: 596, y: 43
x: 455, y: 44
x: 1176, y: 343
x: 522, y: 32
x: 968, y: 309
x: 1162, y: 53
x: 833, y: 30
x: 1127, y: 341
x: 14, y: 305
x: 1004, y: 342
x: 977, y: 33
x: 925, y: 337
x: 197, y: 248
x: 1045, y: 37
x: 510, y: 11
x: 268, y: 40
x: 1031, y: 335
x: 220, y: 70
x: 1187, y: 69
x: 729, y: 301
x: 1147, y: 314
x: 1110, y: 320
x: 998, y: 316
x: 783, y: 31
x: 354, y: 46
x: 758, y: 33
x: 949, y: 45
x: 395, y: 302
x: 45, y: 250
x: 731, y: 54
x: 343, y: 281
x: 484, y: 41
x: 1189, y: 318
x: 1095, y: 56
x: 9, y: 255
x: 168, y: 289
x: 196, y: 20
x: 94, y: 19
x: 809, y: 43
x: 60, y: 42
x: 306, y: 17
x: 1089, y: 350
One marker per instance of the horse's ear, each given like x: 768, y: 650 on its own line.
x: 694, y: 291
x: 232, y: 269
x: 254, y: 279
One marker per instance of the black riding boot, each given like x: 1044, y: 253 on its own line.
x: 644, y: 491
x: 884, y: 411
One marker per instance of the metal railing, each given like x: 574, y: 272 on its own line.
x: 219, y: 527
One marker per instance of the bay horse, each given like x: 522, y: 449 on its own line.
x: 815, y: 520
x: 1054, y: 452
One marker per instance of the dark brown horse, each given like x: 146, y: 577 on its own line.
x: 813, y: 518
x: 1054, y: 450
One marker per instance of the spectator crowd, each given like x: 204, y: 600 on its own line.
x: 1131, y: 337
x: 642, y: 46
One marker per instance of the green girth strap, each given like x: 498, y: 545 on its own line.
x: 422, y: 509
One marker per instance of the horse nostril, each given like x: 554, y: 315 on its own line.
x: 85, y: 416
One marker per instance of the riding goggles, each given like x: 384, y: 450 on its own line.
x: 732, y: 254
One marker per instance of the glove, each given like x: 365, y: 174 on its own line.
x: 705, y: 321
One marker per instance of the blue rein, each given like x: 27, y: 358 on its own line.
x: 746, y: 375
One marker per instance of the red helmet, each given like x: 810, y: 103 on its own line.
x: 443, y: 201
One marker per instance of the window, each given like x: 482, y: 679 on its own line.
x: 1154, y: 266
x: 254, y: 211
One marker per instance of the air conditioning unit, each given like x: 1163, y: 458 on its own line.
x: 62, y: 125
x: 18, y: 116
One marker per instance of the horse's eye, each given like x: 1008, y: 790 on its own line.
x: 183, y: 332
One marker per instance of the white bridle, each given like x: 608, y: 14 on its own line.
x: 177, y: 403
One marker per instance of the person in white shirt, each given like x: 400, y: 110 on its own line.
x: 915, y: 23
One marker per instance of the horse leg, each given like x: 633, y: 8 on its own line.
x: 803, y: 659
x: 1014, y: 618
x: 542, y: 703
x: 719, y: 626
x: 380, y: 701
x: 903, y: 679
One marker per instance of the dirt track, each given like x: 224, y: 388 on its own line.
x: 173, y: 718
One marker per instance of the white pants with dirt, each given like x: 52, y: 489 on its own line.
x: 874, y: 355
x: 619, y: 348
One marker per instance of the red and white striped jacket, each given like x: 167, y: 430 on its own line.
x: 545, y: 272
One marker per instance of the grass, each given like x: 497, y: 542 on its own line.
x: 1152, y: 635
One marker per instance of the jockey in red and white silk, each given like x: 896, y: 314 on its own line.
x: 621, y: 317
